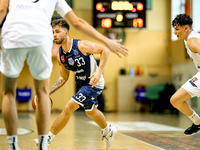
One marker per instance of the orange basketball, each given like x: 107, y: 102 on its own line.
x: 34, y: 102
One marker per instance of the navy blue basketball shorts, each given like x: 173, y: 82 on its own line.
x: 86, y: 97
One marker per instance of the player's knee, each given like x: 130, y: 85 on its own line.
x: 41, y: 87
x: 90, y: 113
x: 41, y: 92
x: 9, y: 91
x: 174, y: 101
x: 67, y: 110
x: 9, y: 85
x: 10, y: 94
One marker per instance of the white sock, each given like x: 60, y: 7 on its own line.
x: 13, y: 142
x: 195, y: 118
x: 51, y: 135
x: 106, y: 129
x: 42, y: 142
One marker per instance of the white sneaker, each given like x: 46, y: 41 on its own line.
x: 48, y: 141
x: 109, y: 136
x: 36, y: 141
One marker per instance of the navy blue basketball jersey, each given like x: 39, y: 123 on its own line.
x: 82, y: 65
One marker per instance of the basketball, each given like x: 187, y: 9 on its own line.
x: 34, y: 102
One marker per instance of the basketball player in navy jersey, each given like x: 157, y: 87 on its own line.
x: 77, y: 56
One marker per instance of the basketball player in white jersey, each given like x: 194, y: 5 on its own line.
x: 182, y: 25
x: 27, y: 35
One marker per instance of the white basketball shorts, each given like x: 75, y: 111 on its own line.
x: 39, y: 59
x: 192, y: 86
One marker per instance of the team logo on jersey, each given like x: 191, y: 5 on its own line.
x: 194, y: 79
x: 63, y: 58
x: 192, y: 83
x: 71, y: 61
x: 75, y: 52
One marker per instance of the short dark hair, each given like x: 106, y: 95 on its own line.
x: 60, y: 22
x: 182, y: 19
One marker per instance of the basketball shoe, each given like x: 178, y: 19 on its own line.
x: 192, y: 130
x: 109, y: 136
x: 48, y: 141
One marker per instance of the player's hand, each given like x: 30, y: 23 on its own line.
x: 117, y: 48
x: 95, y: 77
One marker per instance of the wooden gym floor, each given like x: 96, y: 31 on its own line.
x: 135, y: 132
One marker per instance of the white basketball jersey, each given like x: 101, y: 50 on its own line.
x: 194, y: 56
x: 29, y: 21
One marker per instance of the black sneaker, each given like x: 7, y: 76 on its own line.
x: 192, y: 130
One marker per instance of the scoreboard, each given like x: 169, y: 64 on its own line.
x: 119, y: 14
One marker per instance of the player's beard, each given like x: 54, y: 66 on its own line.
x: 59, y: 41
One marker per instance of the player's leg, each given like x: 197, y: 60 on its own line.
x: 40, y: 65
x: 107, y: 131
x: 43, y: 107
x: 178, y: 100
x: 98, y: 117
x: 12, y: 61
x: 42, y: 111
x: 87, y: 97
x: 62, y: 120
x: 9, y: 111
x: 64, y: 117
x: 9, y: 105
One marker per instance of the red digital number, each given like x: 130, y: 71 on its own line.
x: 138, y: 23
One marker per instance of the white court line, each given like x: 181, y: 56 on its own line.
x: 20, y: 131
x: 141, y: 126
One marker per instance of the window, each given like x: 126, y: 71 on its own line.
x: 177, y: 7
x: 195, y: 15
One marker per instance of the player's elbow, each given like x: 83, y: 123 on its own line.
x: 107, y: 51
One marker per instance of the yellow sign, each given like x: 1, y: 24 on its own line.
x: 121, y: 5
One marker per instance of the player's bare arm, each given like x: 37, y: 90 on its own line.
x: 87, y: 29
x: 194, y: 45
x: 87, y: 48
x: 64, y: 75
x: 59, y: 83
x: 3, y: 9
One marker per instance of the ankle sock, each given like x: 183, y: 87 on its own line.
x: 42, y: 142
x: 13, y: 142
x: 51, y: 135
x: 195, y: 118
x: 106, y: 129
